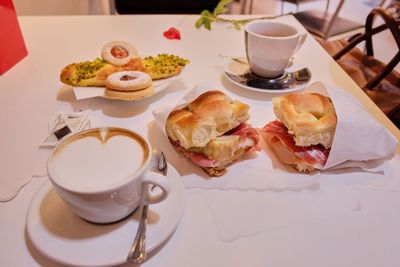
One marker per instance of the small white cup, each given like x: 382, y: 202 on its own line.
x: 270, y: 45
x: 103, y: 174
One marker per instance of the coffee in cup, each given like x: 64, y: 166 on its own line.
x: 103, y: 174
x: 270, y: 45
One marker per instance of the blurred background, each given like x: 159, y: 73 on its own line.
x: 356, y: 8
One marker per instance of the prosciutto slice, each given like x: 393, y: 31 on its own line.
x: 248, y: 140
x: 248, y: 136
x: 197, y: 157
x: 315, y: 155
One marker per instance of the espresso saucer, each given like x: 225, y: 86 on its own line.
x: 238, y: 72
x: 64, y: 237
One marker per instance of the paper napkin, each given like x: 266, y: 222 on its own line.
x: 360, y: 141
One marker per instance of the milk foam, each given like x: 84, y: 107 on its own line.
x: 90, y: 164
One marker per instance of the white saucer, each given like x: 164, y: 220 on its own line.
x: 240, y: 66
x: 66, y: 238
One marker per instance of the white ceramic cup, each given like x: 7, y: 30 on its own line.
x: 103, y: 174
x: 270, y: 45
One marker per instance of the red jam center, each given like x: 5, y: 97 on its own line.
x: 127, y: 78
x: 119, y: 52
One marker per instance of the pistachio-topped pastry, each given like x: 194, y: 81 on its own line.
x: 164, y: 65
x: 95, y: 73
x: 87, y: 69
x: 120, y: 56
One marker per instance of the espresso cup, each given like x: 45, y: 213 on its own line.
x: 104, y: 174
x: 270, y: 45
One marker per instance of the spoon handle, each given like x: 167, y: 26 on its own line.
x: 137, y: 254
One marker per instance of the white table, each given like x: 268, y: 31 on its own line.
x: 368, y: 235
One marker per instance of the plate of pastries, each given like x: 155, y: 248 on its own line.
x: 122, y: 74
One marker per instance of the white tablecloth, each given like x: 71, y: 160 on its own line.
x: 346, y: 219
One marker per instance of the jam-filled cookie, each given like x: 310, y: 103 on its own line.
x: 119, y: 52
x: 128, y: 80
x: 129, y: 95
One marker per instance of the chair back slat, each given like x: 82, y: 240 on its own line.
x: 390, y: 23
x: 380, y: 81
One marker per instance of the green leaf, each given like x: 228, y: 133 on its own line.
x: 199, y: 22
x: 221, y: 7
x: 207, y: 25
x: 206, y: 18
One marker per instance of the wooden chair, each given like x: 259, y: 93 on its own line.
x: 381, y: 82
x: 324, y: 24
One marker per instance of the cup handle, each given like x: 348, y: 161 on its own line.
x: 300, y: 43
x: 158, y: 180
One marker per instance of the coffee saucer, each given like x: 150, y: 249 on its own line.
x: 64, y: 237
x: 238, y: 71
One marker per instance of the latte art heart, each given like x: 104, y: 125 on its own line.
x: 97, y: 161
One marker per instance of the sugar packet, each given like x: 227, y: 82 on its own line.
x: 64, y: 124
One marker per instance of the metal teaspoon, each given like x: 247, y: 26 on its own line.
x: 137, y: 254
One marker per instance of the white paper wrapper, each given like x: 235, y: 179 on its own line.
x: 261, y: 171
x: 359, y: 138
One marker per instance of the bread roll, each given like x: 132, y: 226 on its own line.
x: 209, y: 116
x: 303, y: 135
x: 310, y: 117
x: 212, y: 131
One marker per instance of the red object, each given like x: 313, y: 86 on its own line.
x: 12, y: 45
x: 172, y: 34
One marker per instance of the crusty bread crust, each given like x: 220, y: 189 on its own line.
x: 215, y: 172
x: 207, y: 117
x: 310, y: 117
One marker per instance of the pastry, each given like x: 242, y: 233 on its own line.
x: 128, y: 80
x: 119, y: 53
x: 129, y: 95
x: 164, y: 65
x: 95, y: 73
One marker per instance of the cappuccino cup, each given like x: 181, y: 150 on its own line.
x: 270, y: 45
x: 104, y: 174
